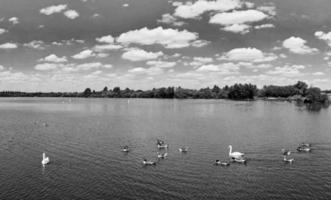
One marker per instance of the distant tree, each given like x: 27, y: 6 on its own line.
x: 105, y: 89
x: 87, y: 92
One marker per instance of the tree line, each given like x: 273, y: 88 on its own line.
x: 246, y: 91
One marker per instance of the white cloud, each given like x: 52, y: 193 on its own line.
x: 248, y: 55
x: 199, y: 43
x: 298, y: 45
x: 194, y: 10
x: 84, y: 54
x: 126, y: 5
x: 106, y: 47
x: 238, y: 17
x: 54, y: 58
x: 203, y: 59
x: 287, y: 71
x: 223, y: 69
x: 263, y: 26
x: 271, y: 10
x: 2, y: 67
x: 71, y: 14
x: 169, y: 19
x: 8, y: 45
x: 106, y: 39
x: 324, y: 36
x: 152, y: 71
x: 136, y: 54
x: 169, y: 38
x: 318, y: 73
x: 46, y: 66
x: 53, y: 9
x: 237, y: 28
x: 35, y: 44
x: 13, y: 20
x: 2, y: 31
x: 161, y: 64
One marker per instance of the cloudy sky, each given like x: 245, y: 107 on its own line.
x: 62, y: 45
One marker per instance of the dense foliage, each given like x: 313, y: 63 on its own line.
x: 300, y: 91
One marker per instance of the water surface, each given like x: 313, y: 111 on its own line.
x: 83, y: 138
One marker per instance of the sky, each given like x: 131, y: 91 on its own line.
x: 69, y: 45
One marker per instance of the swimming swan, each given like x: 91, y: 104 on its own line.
x: 45, y: 160
x: 303, y: 149
x: 148, y: 162
x: 126, y: 149
x: 286, y: 152
x: 161, y: 144
x: 236, y: 154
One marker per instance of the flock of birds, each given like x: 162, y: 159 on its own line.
x: 234, y: 156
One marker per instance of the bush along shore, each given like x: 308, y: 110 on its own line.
x: 297, y: 92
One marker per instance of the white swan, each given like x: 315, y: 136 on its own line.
x: 183, y: 149
x: 236, y: 154
x: 45, y: 160
x: 126, y: 149
x: 162, y: 155
x: 286, y: 152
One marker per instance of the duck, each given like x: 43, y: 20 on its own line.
x: 236, y: 154
x: 288, y: 160
x: 162, y: 155
x: 224, y: 163
x: 126, y: 149
x: 45, y: 160
x: 286, y: 152
x: 183, y: 149
x: 303, y: 149
x: 148, y: 162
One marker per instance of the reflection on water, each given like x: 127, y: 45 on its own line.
x: 84, y: 137
x: 312, y: 107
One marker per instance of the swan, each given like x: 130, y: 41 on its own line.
x: 183, y: 149
x: 126, y: 149
x: 305, y: 145
x: 288, y: 160
x: 161, y: 144
x: 148, y: 162
x: 236, y: 154
x: 162, y: 155
x: 218, y: 162
x: 45, y: 160
x: 286, y: 152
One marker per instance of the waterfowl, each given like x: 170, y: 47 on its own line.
x: 45, y: 160
x: 224, y: 163
x: 183, y: 149
x: 288, y: 160
x: 162, y: 155
x: 286, y: 152
x: 239, y: 160
x: 126, y: 149
x: 148, y: 162
x: 305, y: 145
x: 303, y: 149
x: 236, y: 154
x: 161, y: 144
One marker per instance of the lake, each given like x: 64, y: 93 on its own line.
x: 83, y: 138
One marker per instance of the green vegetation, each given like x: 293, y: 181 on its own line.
x: 299, y: 92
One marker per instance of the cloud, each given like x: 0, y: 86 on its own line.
x: 84, y: 54
x: 194, y: 10
x: 298, y: 45
x: 46, y: 66
x: 324, y: 36
x: 199, y: 43
x: 106, y: 39
x: 169, y: 19
x: 152, y: 71
x: 35, y: 44
x: 223, y: 69
x: 169, y: 38
x: 71, y: 14
x: 248, y: 55
x: 53, y: 9
x: 106, y: 47
x: 136, y: 54
x: 54, y: 58
x: 238, y: 17
x: 13, y: 20
x: 2, y: 31
x: 263, y: 26
x: 8, y: 46
x: 237, y: 28
x: 271, y: 10
x: 318, y: 73
x: 2, y: 67
x: 126, y: 5
x: 161, y: 64
x: 287, y: 71
x: 203, y: 59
